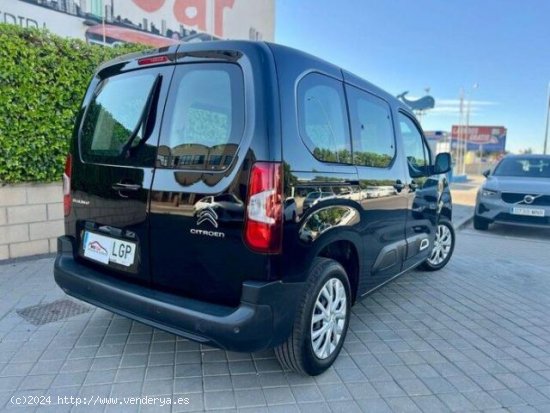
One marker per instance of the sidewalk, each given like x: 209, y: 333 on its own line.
x: 464, y: 200
x: 474, y: 336
x: 462, y: 215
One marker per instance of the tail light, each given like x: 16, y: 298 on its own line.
x: 67, y: 185
x: 264, y: 211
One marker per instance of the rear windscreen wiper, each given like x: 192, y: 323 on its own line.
x: 145, y: 117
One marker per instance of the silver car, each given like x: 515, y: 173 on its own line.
x: 516, y: 192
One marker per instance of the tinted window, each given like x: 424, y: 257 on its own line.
x: 525, y: 167
x: 418, y: 156
x: 227, y: 198
x: 371, y: 130
x: 113, y: 115
x: 323, y: 119
x: 205, y: 120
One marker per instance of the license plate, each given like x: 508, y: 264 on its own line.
x: 108, y: 250
x: 529, y: 212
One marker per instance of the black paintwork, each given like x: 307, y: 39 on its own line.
x: 373, y: 223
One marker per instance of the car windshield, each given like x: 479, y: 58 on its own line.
x: 313, y: 195
x: 524, y: 167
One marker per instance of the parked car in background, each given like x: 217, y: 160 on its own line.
x: 516, y: 191
x: 314, y: 197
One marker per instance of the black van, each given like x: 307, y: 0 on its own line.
x: 244, y: 195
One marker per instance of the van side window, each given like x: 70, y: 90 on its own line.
x: 416, y: 151
x: 205, y: 117
x: 322, y: 118
x: 371, y: 129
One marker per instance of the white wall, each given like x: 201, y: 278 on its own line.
x: 27, y: 15
x: 31, y: 219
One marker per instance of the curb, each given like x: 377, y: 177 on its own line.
x: 10, y: 261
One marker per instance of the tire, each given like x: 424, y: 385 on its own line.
x: 481, y: 224
x: 435, y: 263
x: 297, y: 352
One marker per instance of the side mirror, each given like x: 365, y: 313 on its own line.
x: 442, y: 163
x: 486, y: 173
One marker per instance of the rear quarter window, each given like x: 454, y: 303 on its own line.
x: 322, y: 118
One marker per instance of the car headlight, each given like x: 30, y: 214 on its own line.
x: 488, y: 192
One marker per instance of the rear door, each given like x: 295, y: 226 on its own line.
x: 381, y: 180
x: 200, y: 186
x: 113, y: 164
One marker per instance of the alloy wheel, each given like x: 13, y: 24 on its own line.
x: 329, y: 318
x: 442, y: 245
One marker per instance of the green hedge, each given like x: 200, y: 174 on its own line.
x: 43, y: 78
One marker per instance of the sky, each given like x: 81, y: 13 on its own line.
x: 497, y: 51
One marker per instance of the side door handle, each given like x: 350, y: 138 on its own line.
x: 398, y: 185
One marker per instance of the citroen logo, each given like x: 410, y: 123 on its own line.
x: 207, y: 215
x: 528, y: 199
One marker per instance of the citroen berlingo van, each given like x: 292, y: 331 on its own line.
x: 245, y: 195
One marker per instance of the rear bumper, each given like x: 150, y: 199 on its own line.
x: 263, y: 319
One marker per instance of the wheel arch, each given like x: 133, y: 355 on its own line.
x: 346, y: 253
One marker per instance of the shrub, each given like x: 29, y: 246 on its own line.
x: 43, y: 78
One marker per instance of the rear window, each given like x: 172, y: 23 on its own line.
x: 114, y: 114
x: 205, y: 122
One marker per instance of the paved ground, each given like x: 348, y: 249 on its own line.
x: 475, y: 336
x: 464, y: 199
x: 462, y: 215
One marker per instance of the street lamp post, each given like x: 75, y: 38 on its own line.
x: 544, y: 148
x: 474, y: 87
x: 464, y: 130
x: 460, y: 134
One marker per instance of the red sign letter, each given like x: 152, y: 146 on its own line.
x: 218, y: 15
x: 149, y: 6
x: 199, y: 19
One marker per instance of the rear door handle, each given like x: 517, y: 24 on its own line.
x: 126, y: 187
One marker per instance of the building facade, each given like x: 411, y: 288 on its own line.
x: 152, y: 22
